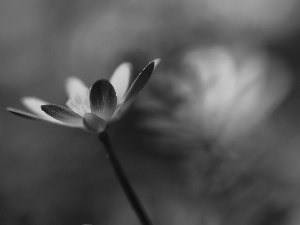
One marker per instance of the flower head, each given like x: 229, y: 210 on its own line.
x: 93, y: 108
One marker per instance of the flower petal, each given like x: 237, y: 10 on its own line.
x: 103, y: 99
x: 140, y: 82
x: 78, y: 96
x: 27, y: 115
x: 79, y: 106
x: 94, y: 123
x: 23, y: 114
x: 120, y: 80
x: 63, y: 114
x: 76, y: 88
x: 34, y: 105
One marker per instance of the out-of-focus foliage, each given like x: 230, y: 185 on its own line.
x: 212, y: 140
x: 224, y: 93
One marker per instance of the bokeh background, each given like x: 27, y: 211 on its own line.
x: 212, y: 140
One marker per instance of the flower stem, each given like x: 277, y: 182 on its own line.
x: 130, y: 193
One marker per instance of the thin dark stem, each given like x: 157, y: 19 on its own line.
x: 130, y: 193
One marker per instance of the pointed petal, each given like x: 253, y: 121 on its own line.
x: 34, y: 105
x: 63, y: 114
x: 23, y: 114
x: 94, y: 123
x: 120, y: 80
x: 27, y: 115
x: 76, y: 88
x: 140, y: 82
x: 103, y: 99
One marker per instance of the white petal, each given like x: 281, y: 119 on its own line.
x: 75, y: 87
x: 24, y: 114
x: 27, y: 115
x: 78, y: 105
x: 78, y: 96
x: 120, y: 80
x: 34, y: 105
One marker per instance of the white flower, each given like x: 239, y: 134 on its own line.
x: 93, y: 108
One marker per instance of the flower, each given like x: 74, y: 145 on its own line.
x: 91, y: 109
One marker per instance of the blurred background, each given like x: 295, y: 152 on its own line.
x: 212, y: 140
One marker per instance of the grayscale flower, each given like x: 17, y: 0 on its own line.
x: 91, y: 109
